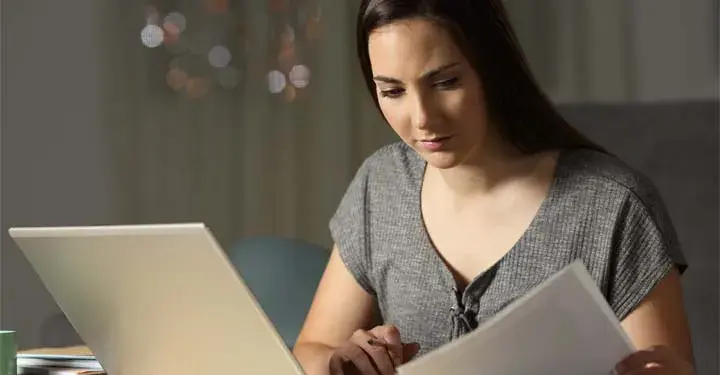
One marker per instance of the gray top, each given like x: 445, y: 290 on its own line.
x: 598, y: 209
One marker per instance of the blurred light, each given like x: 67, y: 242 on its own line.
x: 216, y: 6
x: 152, y: 17
x: 286, y: 56
x: 171, y: 29
x: 228, y: 77
x: 276, y: 81
x: 175, y: 44
x: 300, y: 76
x: 176, y: 78
x: 290, y: 94
x: 313, y: 29
x: 152, y: 36
x: 172, y: 35
x: 219, y: 57
x: 197, y: 87
x: 176, y: 22
x: 288, y: 35
x: 278, y: 5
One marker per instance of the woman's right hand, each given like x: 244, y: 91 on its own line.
x: 375, y: 352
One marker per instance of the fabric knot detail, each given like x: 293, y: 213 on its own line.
x: 464, y: 321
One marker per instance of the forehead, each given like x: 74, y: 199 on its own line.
x: 406, y: 49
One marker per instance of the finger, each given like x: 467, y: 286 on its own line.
x: 389, y: 333
x: 641, y: 358
x: 391, y: 336
x: 356, y: 359
x: 336, y: 366
x: 376, y: 350
x: 410, y: 350
x: 379, y: 353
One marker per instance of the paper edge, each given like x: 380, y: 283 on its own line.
x: 577, y: 268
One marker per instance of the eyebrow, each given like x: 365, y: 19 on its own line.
x: 429, y: 74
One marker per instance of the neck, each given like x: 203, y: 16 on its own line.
x: 486, y: 170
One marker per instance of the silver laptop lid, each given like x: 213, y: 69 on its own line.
x: 156, y: 299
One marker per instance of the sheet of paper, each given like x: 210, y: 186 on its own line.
x: 562, y: 327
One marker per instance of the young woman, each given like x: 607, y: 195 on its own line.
x: 489, y: 193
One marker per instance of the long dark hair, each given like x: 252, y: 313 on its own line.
x: 525, y: 117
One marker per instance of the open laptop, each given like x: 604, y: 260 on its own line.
x: 156, y: 299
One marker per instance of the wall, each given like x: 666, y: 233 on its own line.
x: 619, y: 50
x: 54, y: 163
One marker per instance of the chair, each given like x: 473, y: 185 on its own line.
x: 283, y: 274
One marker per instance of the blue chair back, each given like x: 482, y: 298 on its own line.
x: 283, y: 275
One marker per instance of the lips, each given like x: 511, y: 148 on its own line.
x: 434, y: 143
x: 435, y: 139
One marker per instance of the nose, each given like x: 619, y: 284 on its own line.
x: 421, y: 111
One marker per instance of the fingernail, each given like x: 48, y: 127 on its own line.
x: 376, y: 342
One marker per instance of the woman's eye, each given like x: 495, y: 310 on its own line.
x: 391, y: 93
x: 447, y: 83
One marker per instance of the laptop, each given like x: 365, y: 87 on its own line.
x: 156, y: 299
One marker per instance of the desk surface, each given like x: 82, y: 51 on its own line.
x: 71, y: 350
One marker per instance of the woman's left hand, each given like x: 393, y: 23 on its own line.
x: 656, y: 360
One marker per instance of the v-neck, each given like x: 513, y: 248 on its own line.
x: 480, y: 282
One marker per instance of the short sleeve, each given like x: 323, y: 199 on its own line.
x: 348, y: 227
x: 646, y: 250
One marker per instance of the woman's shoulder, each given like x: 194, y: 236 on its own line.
x: 635, y: 243
x: 392, y: 156
x: 586, y: 170
x: 394, y: 163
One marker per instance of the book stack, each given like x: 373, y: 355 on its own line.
x: 43, y: 363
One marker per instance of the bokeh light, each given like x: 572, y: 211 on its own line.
x: 278, y: 5
x: 300, y: 76
x: 208, y: 48
x: 219, y: 56
x: 152, y: 17
x: 216, y: 6
x: 152, y: 36
x: 176, y: 45
x: 313, y: 28
x: 290, y: 94
x: 176, y: 78
x: 288, y: 36
x: 276, y: 81
x: 172, y: 35
x: 197, y: 87
x: 175, y: 21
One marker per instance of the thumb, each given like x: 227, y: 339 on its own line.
x: 410, y: 350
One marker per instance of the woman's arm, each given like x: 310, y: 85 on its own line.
x: 660, y: 321
x: 340, y: 307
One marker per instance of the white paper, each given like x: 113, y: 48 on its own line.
x: 564, y: 326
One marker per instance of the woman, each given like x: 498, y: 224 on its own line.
x: 489, y: 193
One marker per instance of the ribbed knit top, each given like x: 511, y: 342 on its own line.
x: 598, y: 209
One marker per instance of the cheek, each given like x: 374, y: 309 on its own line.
x: 469, y: 111
x: 397, y: 118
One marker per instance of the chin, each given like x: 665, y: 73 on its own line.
x: 442, y: 160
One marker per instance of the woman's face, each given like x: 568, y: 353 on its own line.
x: 428, y: 91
